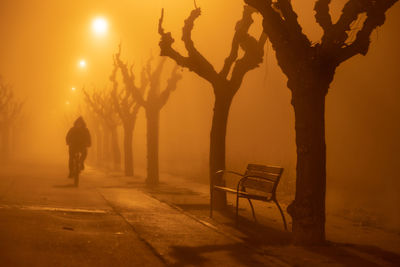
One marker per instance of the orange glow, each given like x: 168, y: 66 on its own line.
x: 53, y: 52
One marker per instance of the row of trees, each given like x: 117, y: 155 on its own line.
x: 10, y: 110
x: 309, y: 67
x: 120, y: 106
x: 123, y: 101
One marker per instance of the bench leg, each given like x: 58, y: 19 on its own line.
x: 211, y: 202
x: 237, y: 208
x: 252, y: 210
x: 283, y: 216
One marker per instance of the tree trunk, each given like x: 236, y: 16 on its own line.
x: 5, y: 140
x: 115, y: 149
x: 308, y: 208
x: 217, y: 147
x: 99, y: 147
x: 128, y: 134
x: 107, y: 157
x: 153, y: 118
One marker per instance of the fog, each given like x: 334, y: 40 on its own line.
x: 43, y: 41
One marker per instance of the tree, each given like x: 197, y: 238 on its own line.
x: 224, y: 88
x: 310, y: 69
x: 92, y: 120
x: 153, y: 104
x: 10, y: 109
x: 127, y: 106
x: 101, y: 103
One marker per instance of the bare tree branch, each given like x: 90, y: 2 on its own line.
x: 241, y: 29
x: 154, y: 79
x: 254, y: 49
x: 171, y: 86
x: 102, y: 104
x: 292, y: 24
x: 283, y: 30
x: 195, y: 61
x: 375, y: 11
x: 6, y: 94
x: 129, y: 80
x: 322, y: 15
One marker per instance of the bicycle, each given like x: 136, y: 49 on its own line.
x: 76, y: 167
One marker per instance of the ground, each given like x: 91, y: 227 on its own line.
x: 112, y: 220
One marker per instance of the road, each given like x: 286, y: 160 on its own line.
x: 112, y: 220
x: 106, y: 221
x: 45, y: 221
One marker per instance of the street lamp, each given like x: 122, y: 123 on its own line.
x: 82, y: 64
x: 100, y: 26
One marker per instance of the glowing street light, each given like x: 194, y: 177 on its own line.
x: 67, y: 103
x: 82, y: 64
x: 73, y: 89
x: 100, y: 26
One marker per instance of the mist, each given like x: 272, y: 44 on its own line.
x: 43, y: 42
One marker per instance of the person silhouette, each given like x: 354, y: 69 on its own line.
x: 78, y: 139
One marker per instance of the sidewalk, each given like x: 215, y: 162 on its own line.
x: 173, y: 219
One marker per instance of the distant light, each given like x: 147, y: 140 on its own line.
x: 73, y: 88
x: 82, y: 63
x: 100, y: 26
x: 67, y: 103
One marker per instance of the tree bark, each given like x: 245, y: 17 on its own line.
x: 308, y: 208
x: 217, y: 146
x: 153, y: 119
x: 106, y: 146
x: 115, y: 149
x: 99, y: 146
x: 128, y: 135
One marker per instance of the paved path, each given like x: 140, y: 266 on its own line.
x: 111, y: 220
x: 45, y: 221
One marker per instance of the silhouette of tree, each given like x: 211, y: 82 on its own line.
x: 310, y: 68
x: 127, y: 106
x: 224, y: 88
x: 10, y: 109
x: 153, y: 104
x: 101, y: 103
x: 95, y: 128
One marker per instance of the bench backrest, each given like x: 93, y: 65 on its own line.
x: 262, y: 178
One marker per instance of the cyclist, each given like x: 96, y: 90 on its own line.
x: 78, y: 139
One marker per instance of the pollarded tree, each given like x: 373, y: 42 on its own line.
x: 10, y: 109
x: 92, y: 121
x: 101, y: 103
x: 153, y: 104
x: 127, y: 106
x: 310, y: 69
x: 224, y: 88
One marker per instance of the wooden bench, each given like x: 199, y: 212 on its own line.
x: 259, y: 182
